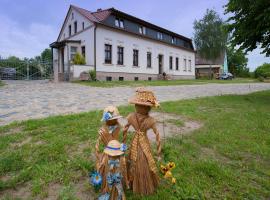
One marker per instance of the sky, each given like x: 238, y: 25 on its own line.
x: 29, y: 26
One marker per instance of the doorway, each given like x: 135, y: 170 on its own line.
x: 160, y: 64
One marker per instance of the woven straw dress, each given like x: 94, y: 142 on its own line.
x: 142, y: 170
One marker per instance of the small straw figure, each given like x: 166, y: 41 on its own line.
x: 109, y: 131
x: 114, y: 177
x: 142, y: 170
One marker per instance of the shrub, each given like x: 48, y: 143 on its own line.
x: 92, y: 74
x: 263, y: 71
x: 78, y: 59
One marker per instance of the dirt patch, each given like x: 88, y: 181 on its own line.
x: 207, y: 152
x: 21, y: 192
x: 21, y: 143
x: 13, y: 130
x: 78, y: 149
x: 166, y: 126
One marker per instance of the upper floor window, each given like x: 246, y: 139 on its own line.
x: 171, y: 62
x: 159, y: 36
x: 120, y: 55
x: 75, y: 27
x: 149, y: 59
x: 119, y: 23
x: 177, y: 63
x: 189, y: 65
x: 142, y: 30
x: 173, y: 40
x: 135, y: 57
x: 73, y: 51
x: 82, y: 25
x: 185, y: 64
x: 108, y: 54
x: 72, y: 15
x: 69, y: 30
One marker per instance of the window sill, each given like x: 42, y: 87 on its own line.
x: 149, y: 67
x: 108, y: 64
x: 118, y: 65
x: 135, y: 66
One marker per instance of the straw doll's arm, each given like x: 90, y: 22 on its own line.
x: 157, y: 140
x: 125, y: 130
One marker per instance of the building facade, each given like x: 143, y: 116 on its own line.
x: 121, y: 47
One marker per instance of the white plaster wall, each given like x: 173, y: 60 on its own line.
x: 130, y: 42
x: 78, y: 69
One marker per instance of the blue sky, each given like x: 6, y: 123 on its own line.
x: 29, y: 26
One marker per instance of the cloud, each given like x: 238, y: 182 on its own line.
x: 256, y: 59
x: 27, y: 40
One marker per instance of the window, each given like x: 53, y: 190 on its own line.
x: 120, y: 55
x: 108, y: 78
x: 75, y: 27
x: 177, y: 63
x: 142, y: 30
x: 159, y: 36
x: 149, y: 78
x: 173, y: 40
x: 108, y: 54
x: 73, y: 51
x: 64, y: 35
x: 83, y: 51
x: 149, y: 59
x: 185, y: 64
x: 83, y: 26
x: 189, y: 65
x: 72, y: 15
x: 171, y: 62
x: 121, y: 78
x: 69, y: 30
x: 119, y: 23
x: 135, y: 57
x: 136, y: 78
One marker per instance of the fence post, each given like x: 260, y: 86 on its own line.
x: 27, y: 76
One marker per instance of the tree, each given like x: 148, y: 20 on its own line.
x: 250, y: 24
x: 210, y: 37
x: 263, y: 71
x: 237, y: 62
x: 46, y: 55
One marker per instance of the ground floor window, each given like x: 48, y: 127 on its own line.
x: 73, y: 51
x: 149, y: 58
x: 189, y: 65
x: 108, y: 54
x: 121, y: 78
x: 83, y: 51
x: 185, y: 64
x: 108, y: 78
x: 135, y: 57
x: 136, y: 78
x: 171, y: 62
x: 149, y: 78
x: 177, y: 63
x: 120, y: 55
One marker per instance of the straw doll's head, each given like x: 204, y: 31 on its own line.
x: 111, y: 116
x: 144, y: 100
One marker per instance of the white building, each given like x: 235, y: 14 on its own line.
x: 120, y: 47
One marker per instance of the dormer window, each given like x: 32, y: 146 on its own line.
x: 173, y: 40
x: 72, y: 15
x: 82, y: 25
x: 142, y: 30
x: 119, y: 23
x: 75, y: 27
x: 69, y: 30
x: 159, y: 36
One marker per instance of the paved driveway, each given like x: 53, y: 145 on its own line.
x: 21, y: 100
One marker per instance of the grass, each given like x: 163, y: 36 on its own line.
x: 1, y: 83
x: 161, y: 82
x: 228, y: 158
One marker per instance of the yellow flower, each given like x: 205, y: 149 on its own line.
x: 173, y: 180
x: 171, y: 165
x: 168, y: 174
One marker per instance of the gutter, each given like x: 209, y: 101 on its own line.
x: 95, y: 44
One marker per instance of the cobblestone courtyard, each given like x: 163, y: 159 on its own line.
x: 22, y: 100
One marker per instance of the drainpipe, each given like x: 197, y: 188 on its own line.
x: 95, y: 51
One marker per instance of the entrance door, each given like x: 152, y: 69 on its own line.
x: 160, y: 64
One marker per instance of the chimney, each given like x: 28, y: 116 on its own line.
x: 99, y: 9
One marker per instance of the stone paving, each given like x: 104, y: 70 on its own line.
x: 22, y: 100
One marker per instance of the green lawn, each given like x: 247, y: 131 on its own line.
x: 1, y: 83
x: 162, y: 82
x: 228, y: 158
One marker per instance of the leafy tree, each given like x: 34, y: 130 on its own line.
x: 46, y: 55
x: 263, y: 71
x: 237, y: 62
x: 249, y: 24
x: 210, y: 37
x: 78, y: 59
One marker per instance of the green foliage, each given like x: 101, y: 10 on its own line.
x: 263, y: 71
x: 210, y: 37
x: 92, y: 74
x: 78, y: 59
x: 249, y: 24
x: 237, y: 62
x: 46, y: 55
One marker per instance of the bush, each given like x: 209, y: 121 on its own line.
x: 92, y: 74
x: 78, y: 59
x: 263, y: 71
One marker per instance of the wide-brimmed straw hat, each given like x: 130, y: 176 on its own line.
x: 144, y: 97
x: 110, y: 113
x: 113, y: 148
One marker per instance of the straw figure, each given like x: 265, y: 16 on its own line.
x: 114, y: 150
x: 142, y: 169
x: 109, y: 131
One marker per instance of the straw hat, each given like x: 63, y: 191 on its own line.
x: 110, y: 113
x: 144, y: 97
x: 113, y: 148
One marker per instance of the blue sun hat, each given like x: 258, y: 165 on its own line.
x: 110, y: 113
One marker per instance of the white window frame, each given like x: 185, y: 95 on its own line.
x: 73, y: 51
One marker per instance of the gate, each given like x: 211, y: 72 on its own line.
x: 16, y: 69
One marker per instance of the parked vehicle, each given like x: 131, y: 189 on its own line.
x: 226, y: 76
x: 7, y: 73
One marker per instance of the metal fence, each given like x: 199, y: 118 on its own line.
x: 15, y: 69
